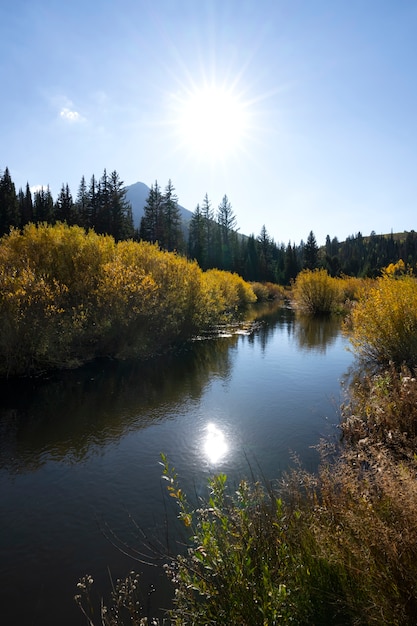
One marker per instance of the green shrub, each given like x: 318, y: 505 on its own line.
x: 251, y: 560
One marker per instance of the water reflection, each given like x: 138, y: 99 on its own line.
x: 215, y: 445
x: 77, y: 413
x: 312, y: 334
x: 270, y: 317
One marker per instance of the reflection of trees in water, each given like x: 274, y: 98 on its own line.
x: 80, y: 411
x: 271, y: 317
x: 316, y: 333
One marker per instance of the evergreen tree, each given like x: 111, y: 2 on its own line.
x: 64, y: 207
x: 82, y: 204
x: 225, y: 216
x: 265, y: 245
x: 196, y: 237
x: 92, y: 204
x: 103, y: 221
x: 251, y: 259
x: 409, y: 253
x: 291, y: 265
x: 121, y: 220
x: 171, y: 219
x: 9, y: 206
x: 25, y: 206
x: 226, y: 220
x: 150, y: 225
x: 331, y: 261
x: 209, y: 234
x: 311, y: 252
x: 43, y: 206
x: 328, y: 246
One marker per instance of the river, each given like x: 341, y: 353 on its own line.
x: 80, y: 452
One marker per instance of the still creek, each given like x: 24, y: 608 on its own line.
x: 80, y: 452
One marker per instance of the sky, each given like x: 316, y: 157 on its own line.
x: 303, y: 112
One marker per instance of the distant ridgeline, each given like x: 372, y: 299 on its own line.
x: 208, y: 235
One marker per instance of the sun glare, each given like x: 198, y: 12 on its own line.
x: 215, y: 444
x: 212, y: 122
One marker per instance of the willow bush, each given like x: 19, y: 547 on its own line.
x: 316, y: 292
x: 384, y: 321
x: 67, y: 296
x: 48, y: 295
x: 268, y: 291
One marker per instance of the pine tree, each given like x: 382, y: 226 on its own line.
x: 266, y: 245
x: 226, y: 220
x: 43, y: 206
x: 328, y: 246
x: 92, y: 204
x: 251, y: 259
x: 291, y: 266
x: 171, y: 219
x: 150, y: 225
x: 121, y: 220
x: 210, y: 227
x: 225, y: 216
x: 25, y: 206
x: 9, y: 206
x: 196, y: 237
x: 82, y: 204
x: 65, y: 210
x: 103, y: 221
x: 311, y: 252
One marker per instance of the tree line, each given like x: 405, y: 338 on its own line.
x: 212, y: 237
x: 100, y: 205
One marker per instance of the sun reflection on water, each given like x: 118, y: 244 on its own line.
x: 215, y: 445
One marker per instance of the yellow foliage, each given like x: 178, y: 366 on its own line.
x: 67, y: 296
x: 394, y: 269
x: 234, y: 290
x: 352, y: 288
x: 384, y: 321
x: 316, y: 292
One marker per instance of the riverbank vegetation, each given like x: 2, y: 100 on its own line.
x: 315, y: 292
x: 385, y: 321
x: 68, y: 296
x: 335, y: 547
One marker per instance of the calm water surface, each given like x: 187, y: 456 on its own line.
x: 79, y: 454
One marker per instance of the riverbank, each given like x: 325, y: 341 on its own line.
x: 67, y: 297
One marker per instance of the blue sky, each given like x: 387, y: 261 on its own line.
x: 323, y: 95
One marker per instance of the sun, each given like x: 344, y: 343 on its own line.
x: 212, y: 122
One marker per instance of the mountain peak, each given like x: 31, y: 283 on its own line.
x: 137, y: 194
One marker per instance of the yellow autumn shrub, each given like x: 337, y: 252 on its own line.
x: 384, y: 321
x: 316, y: 292
x: 234, y: 290
x: 67, y: 296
